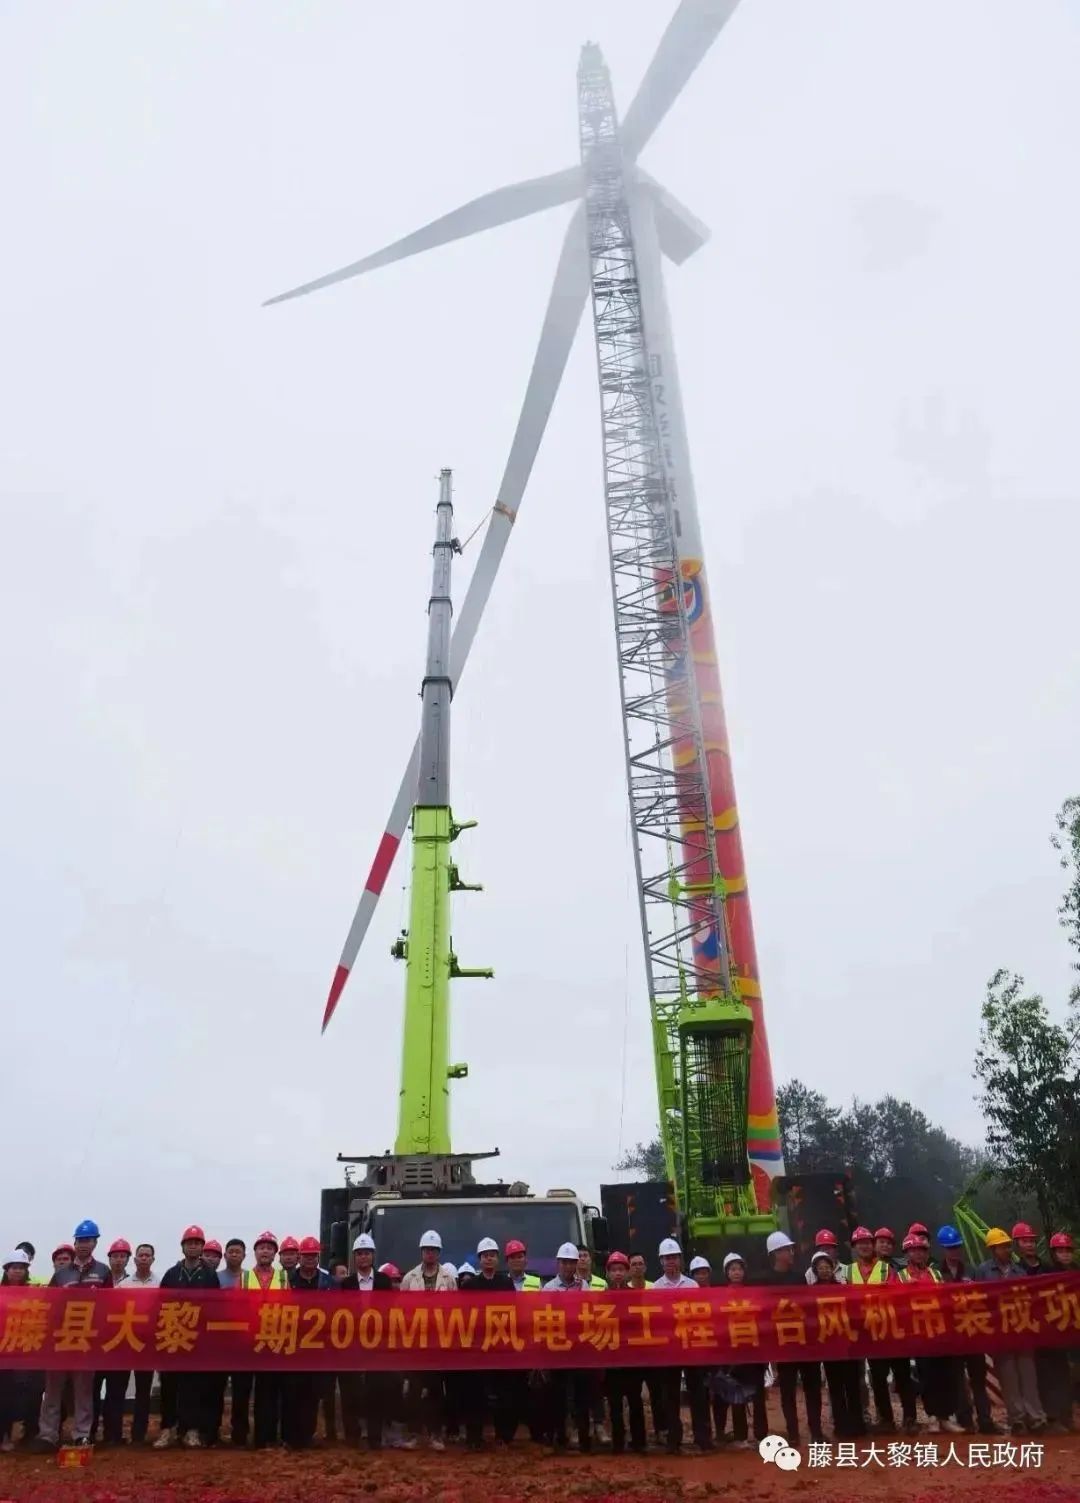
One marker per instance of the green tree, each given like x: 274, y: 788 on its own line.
x: 1029, y: 1069
x: 646, y: 1159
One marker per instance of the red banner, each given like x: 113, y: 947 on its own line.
x: 336, y: 1332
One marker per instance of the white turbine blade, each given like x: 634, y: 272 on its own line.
x: 568, y: 294
x: 502, y: 206
x: 689, y: 35
x: 681, y: 233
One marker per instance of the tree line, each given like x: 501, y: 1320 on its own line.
x: 1027, y: 1070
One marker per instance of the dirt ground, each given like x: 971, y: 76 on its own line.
x: 340, y: 1474
x: 336, y: 1474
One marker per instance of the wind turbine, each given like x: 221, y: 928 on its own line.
x: 654, y: 224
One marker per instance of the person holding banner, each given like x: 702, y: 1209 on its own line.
x: 673, y: 1279
x: 427, y: 1391
x: 86, y: 1271
x: 194, y: 1391
x: 1016, y: 1370
x: 567, y: 1390
x: 782, y: 1271
x: 622, y: 1385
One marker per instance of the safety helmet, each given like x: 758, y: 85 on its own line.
x: 513, y: 1247
x: 64, y: 1247
x: 465, y: 1269
x: 909, y: 1242
x: 733, y: 1257
x: 364, y: 1243
x: 997, y: 1237
x: 289, y: 1244
x: 391, y: 1270
x: 822, y: 1252
x: 1021, y: 1229
x: 566, y: 1252
x: 192, y: 1234
x: 777, y: 1241
x: 487, y: 1244
x: 212, y: 1246
x: 310, y: 1245
x: 669, y: 1248
x: 451, y: 1269
x: 1061, y: 1239
x: 825, y: 1238
x: 618, y: 1257
x: 17, y: 1259
x: 85, y: 1229
x: 432, y: 1239
x: 121, y: 1245
x: 265, y: 1238
x: 884, y: 1234
x: 916, y: 1229
x: 699, y: 1262
x: 948, y: 1236
x: 861, y: 1234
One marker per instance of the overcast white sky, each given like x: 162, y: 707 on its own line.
x: 214, y: 561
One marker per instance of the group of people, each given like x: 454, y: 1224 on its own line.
x: 272, y: 1408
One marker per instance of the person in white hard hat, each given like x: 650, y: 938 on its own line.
x: 427, y: 1391
x: 366, y: 1397
x: 782, y: 1271
x: 673, y: 1279
x: 480, y: 1392
x: 568, y: 1390
x: 742, y: 1386
x: 701, y: 1271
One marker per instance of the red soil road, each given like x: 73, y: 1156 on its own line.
x: 340, y: 1475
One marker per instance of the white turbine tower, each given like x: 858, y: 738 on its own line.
x: 624, y: 223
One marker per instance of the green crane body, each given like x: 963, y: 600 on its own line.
x: 426, y: 946
x: 702, y: 1049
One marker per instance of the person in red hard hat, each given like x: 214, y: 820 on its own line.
x: 622, y: 1385
x: 1052, y: 1370
x: 110, y: 1388
x: 289, y: 1255
x: 868, y: 1268
x: 521, y: 1399
x: 267, y: 1386
x: 827, y: 1242
x: 194, y: 1396
x: 1062, y: 1252
x: 212, y: 1254
x: 300, y: 1390
x: 885, y: 1246
x: 939, y: 1377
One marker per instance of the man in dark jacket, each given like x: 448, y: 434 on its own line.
x: 300, y: 1391
x: 782, y: 1270
x: 365, y: 1396
x: 89, y: 1274
x: 478, y: 1393
x: 196, y: 1394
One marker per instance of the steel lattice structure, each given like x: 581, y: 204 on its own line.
x: 680, y: 889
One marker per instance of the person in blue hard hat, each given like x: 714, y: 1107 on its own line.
x: 90, y: 1274
x: 974, y: 1407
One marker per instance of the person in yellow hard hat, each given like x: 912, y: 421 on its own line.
x: 1015, y: 1370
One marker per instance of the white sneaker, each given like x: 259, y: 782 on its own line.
x: 193, y: 1440
x: 951, y: 1427
x: 409, y: 1443
x: 166, y: 1439
x: 437, y: 1444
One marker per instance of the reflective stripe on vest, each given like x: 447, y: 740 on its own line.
x: 879, y: 1274
x: 935, y: 1274
x: 248, y: 1280
x: 530, y: 1282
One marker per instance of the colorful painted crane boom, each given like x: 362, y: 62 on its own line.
x: 717, y: 1102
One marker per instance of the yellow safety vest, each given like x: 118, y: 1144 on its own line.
x: 531, y: 1282
x: 935, y: 1274
x: 596, y: 1282
x: 879, y: 1274
x: 249, y: 1281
